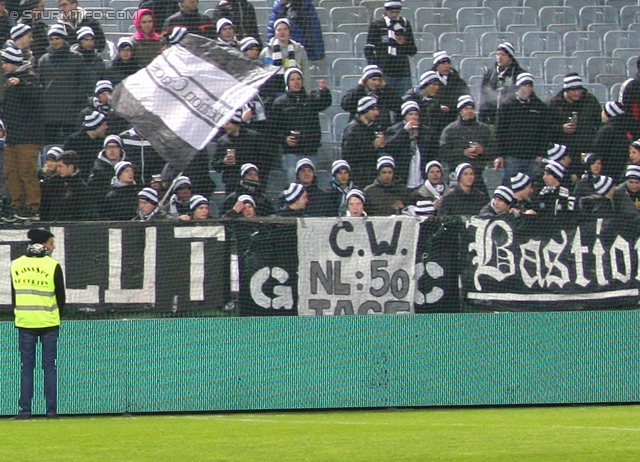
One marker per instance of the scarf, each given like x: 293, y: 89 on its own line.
x: 277, y: 54
x: 116, y: 183
x: 415, y: 171
x: 251, y: 186
x: 178, y: 207
x: 225, y: 43
x: 143, y: 217
x: 37, y: 250
x: 393, y: 27
x: 435, y: 190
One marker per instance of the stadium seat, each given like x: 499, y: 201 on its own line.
x: 478, y: 31
x: 536, y: 5
x: 329, y: 4
x: 600, y: 91
x: 522, y: 29
x: 438, y: 29
x: 372, y: 6
x: 424, y: 65
x: 434, y: 16
x: 348, y: 15
x: 358, y: 44
x: 549, y: 15
x: 455, y: 5
x: 617, y: 4
x: 626, y: 53
x: 323, y: 178
x: 325, y: 128
x: 413, y: 5
x: 324, y: 18
x: 347, y: 82
x: 353, y: 29
x: 275, y: 184
x: 614, y: 92
x: 340, y: 122
x: 338, y: 41
x: 378, y: 13
x: 114, y: 28
x: 597, y: 14
x: 620, y: 39
x: 562, y: 29
x: 331, y: 56
x: 577, y: 4
x: 532, y: 65
x: 115, y: 36
x: 540, y: 41
x: 632, y: 66
x: 211, y: 4
x: 475, y: 16
x: 604, y: 65
x: 346, y: 66
x: 516, y: 15
x: 547, y: 91
x: 122, y: 4
x: 561, y: 65
x: 628, y: 15
x: 496, y: 5
x: 475, y: 86
x: 458, y: 43
x: 336, y: 97
x: 609, y: 80
x: 543, y: 55
x: 581, y: 41
x: 93, y: 4
x: 262, y: 16
x: 126, y: 20
x: 601, y: 29
x: 584, y: 55
x: 425, y: 42
x: 635, y: 27
x: 475, y: 66
x: 489, y: 41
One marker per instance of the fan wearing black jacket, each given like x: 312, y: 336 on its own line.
x: 412, y: 145
x: 389, y: 45
x: 372, y: 84
x: 522, y: 129
x: 453, y: 86
x: 243, y: 16
x: 613, y: 139
x: 499, y: 83
x: 295, y: 124
x: 363, y: 142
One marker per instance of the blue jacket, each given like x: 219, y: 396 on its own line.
x: 305, y: 27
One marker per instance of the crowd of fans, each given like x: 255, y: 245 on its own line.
x: 415, y: 150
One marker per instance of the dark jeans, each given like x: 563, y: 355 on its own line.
x: 27, y: 340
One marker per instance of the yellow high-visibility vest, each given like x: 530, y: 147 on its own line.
x: 36, y: 303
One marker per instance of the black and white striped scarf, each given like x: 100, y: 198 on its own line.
x: 394, y: 26
x: 277, y: 54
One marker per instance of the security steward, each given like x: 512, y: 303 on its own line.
x: 38, y: 293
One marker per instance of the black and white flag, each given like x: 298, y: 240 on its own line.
x: 183, y: 98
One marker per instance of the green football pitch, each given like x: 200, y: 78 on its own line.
x: 583, y: 433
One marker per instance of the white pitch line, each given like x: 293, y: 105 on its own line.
x: 435, y: 424
x: 247, y: 419
x: 619, y: 429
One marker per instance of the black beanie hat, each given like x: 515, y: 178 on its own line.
x: 39, y: 235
